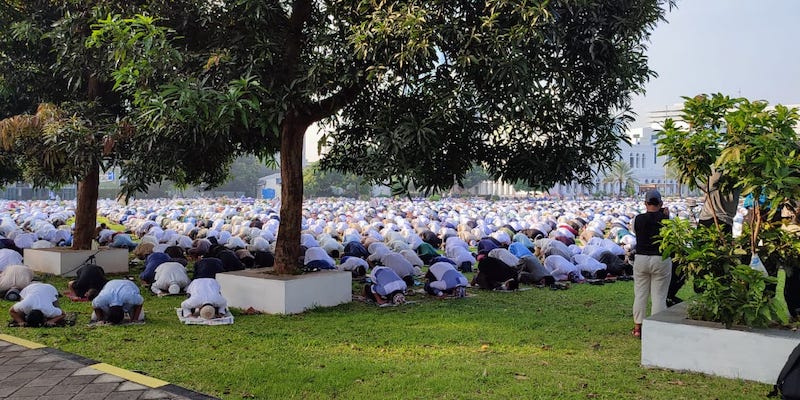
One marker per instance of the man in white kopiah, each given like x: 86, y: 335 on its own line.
x: 170, y: 278
x: 204, y: 292
x: 442, y: 278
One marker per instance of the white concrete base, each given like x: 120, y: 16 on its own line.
x: 671, y: 340
x: 65, y: 261
x: 285, y: 294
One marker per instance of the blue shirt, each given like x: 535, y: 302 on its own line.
x: 118, y: 292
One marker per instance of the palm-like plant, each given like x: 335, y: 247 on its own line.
x: 675, y: 175
x: 620, y: 173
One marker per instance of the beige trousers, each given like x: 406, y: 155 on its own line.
x: 651, y: 276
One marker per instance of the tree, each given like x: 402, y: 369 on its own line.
x: 756, y: 149
x: 474, y: 177
x: 244, y: 174
x: 415, y: 92
x: 621, y: 174
x: 317, y: 183
x: 59, y: 117
x: 65, y: 117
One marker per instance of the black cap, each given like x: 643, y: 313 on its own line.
x: 652, y: 197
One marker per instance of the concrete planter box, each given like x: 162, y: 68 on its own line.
x: 65, y: 261
x: 671, y: 340
x: 285, y: 294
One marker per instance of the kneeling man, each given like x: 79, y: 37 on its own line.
x: 118, y: 297
x: 38, y: 307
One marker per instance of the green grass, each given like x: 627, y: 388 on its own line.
x: 572, y: 344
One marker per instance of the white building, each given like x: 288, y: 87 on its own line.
x: 647, y: 167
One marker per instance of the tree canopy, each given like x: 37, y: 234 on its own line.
x: 317, y: 183
x: 415, y: 92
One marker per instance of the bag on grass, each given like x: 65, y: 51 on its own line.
x: 788, y: 384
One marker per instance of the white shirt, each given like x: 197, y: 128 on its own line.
x: 560, y: 267
x: 505, y: 256
x: 614, y: 248
x: 205, y: 291
x: 585, y: 262
x: 317, y: 254
x: 592, y: 251
x: 118, y: 292
x: 455, y: 241
x: 461, y: 255
x: 168, y: 273
x: 397, y: 263
x: 308, y: 240
x: 412, y: 257
x: 352, y: 262
x: 38, y: 296
x: 9, y: 257
x: 16, y: 276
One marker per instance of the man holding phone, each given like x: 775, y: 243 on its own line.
x: 651, y: 272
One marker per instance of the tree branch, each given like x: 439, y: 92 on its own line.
x: 301, y: 12
x: 330, y: 105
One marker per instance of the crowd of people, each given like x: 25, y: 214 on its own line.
x: 391, y: 244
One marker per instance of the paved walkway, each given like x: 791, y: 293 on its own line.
x: 30, y: 370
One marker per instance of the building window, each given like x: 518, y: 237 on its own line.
x: 643, y: 161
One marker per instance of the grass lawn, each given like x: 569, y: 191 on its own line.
x: 539, y: 343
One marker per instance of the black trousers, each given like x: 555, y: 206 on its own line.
x: 791, y: 291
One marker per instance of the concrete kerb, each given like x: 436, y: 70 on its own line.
x: 93, y: 367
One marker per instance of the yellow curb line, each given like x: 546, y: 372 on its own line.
x: 102, y: 367
x: 21, y: 342
x: 131, y: 376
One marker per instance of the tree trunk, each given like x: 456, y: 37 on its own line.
x: 287, y: 249
x: 86, y: 209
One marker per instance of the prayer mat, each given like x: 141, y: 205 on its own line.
x: 227, y: 319
x: 70, y: 295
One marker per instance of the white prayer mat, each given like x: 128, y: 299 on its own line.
x: 227, y: 319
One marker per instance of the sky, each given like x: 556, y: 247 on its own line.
x: 736, y: 47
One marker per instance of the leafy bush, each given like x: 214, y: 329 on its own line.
x: 730, y: 291
x: 756, y: 150
x: 740, y: 297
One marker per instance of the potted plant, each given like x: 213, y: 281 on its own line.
x: 756, y: 149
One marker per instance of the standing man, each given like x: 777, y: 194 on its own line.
x: 651, y: 272
x: 721, y: 204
